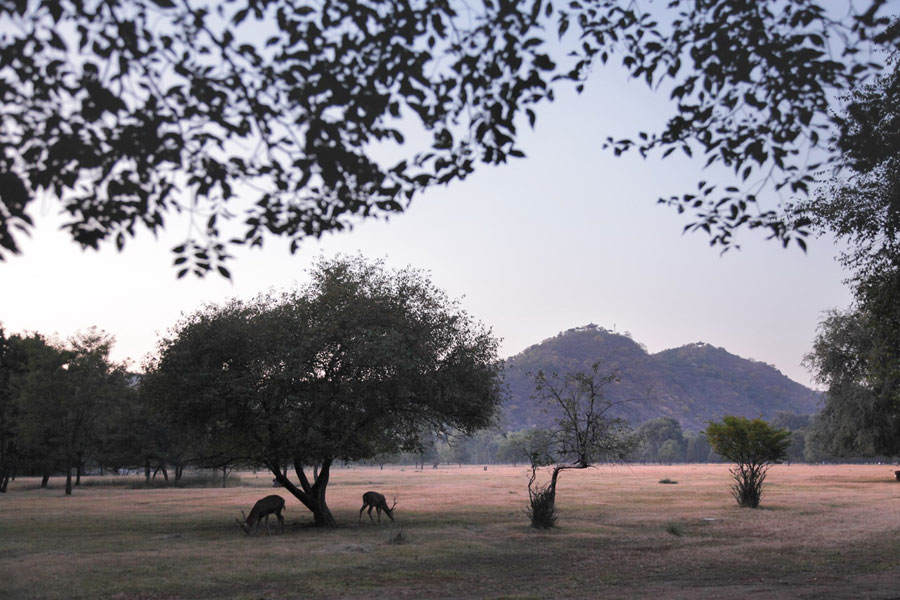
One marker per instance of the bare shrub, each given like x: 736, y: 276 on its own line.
x: 674, y: 528
x: 541, y: 507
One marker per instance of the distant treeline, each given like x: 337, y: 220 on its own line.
x: 66, y: 408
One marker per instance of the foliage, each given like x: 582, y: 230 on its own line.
x: 860, y: 203
x: 856, y: 356
x: 541, y: 508
x: 798, y: 425
x: 584, y: 433
x: 661, y: 440
x: 671, y: 451
x: 62, y: 394
x: 10, y: 364
x: 301, y: 112
x: 753, y: 446
x: 674, y: 528
x: 295, y: 119
x: 750, y: 82
x: 697, y: 448
x: 358, y: 363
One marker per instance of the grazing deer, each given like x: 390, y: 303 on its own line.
x: 376, y: 501
x: 263, y: 508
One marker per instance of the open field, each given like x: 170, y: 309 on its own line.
x: 823, y: 532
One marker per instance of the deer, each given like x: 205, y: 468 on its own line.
x: 263, y: 508
x: 376, y: 501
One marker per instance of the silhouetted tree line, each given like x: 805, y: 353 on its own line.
x: 66, y: 407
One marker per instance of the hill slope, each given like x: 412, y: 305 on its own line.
x: 693, y: 383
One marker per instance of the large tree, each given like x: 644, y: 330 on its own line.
x: 11, y: 363
x: 40, y: 395
x: 357, y: 363
x: 654, y: 436
x: 294, y: 118
x: 861, y: 202
x: 856, y: 354
x: 62, y: 394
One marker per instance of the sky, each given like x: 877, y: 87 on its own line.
x: 568, y: 236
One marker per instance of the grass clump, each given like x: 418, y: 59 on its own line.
x: 667, y: 480
x: 542, y: 508
x: 674, y: 528
x: 397, y: 538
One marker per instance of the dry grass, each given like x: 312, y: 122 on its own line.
x: 828, y: 531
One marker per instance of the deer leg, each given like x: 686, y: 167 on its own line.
x: 267, y: 524
x: 360, y: 513
x: 280, y: 520
x: 371, y: 518
x: 378, y: 510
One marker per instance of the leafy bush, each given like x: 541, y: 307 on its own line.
x: 753, y: 446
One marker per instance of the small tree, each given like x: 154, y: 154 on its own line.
x: 753, y: 446
x: 584, y: 433
x: 654, y: 435
x: 670, y: 452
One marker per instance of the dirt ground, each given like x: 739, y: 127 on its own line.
x: 461, y: 532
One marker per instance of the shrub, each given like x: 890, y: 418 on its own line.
x: 753, y: 446
x: 674, y: 528
x: 542, y: 508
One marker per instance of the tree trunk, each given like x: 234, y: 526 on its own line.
x: 165, y: 472
x: 147, y: 470
x: 554, y: 478
x: 224, y: 475
x: 68, y: 479
x: 179, y: 471
x: 312, y: 496
x: 78, y: 473
x: 45, y: 478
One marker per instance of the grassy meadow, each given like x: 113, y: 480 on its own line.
x: 823, y: 531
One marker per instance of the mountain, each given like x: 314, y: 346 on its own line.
x: 693, y: 384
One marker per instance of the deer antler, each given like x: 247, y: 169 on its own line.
x: 243, y: 523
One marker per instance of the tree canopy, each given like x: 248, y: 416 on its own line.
x: 753, y: 445
x: 58, y: 397
x: 356, y: 364
x: 855, y: 355
x: 271, y: 118
x: 857, y: 352
x: 860, y: 203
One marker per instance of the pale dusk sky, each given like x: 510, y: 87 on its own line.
x: 567, y: 236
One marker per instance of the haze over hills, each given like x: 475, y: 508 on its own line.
x: 693, y: 384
